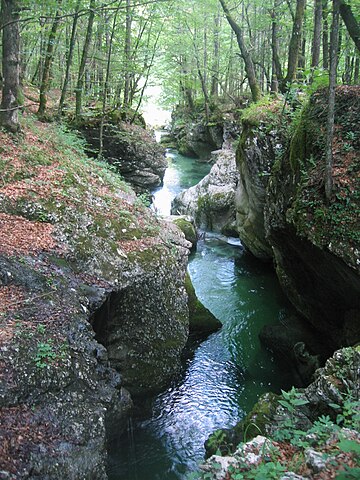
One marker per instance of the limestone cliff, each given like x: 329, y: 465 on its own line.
x: 92, y: 305
x: 261, y: 142
x: 317, y: 245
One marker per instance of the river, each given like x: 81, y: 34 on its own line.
x: 228, y: 371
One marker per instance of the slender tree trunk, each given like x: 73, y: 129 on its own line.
x: 151, y: 63
x: 84, y: 57
x: 334, y: 39
x: 249, y: 64
x: 295, y: 43
x: 45, y: 82
x: 127, y: 52
x: 106, y: 86
x: 357, y: 71
x: 352, y: 25
x: 69, y: 58
x: 216, y: 62
x: 11, y: 92
x: 316, y: 44
x: 325, y: 35
x: 277, y: 74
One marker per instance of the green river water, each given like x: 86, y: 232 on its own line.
x: 228, y: 371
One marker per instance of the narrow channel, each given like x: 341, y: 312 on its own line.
x: 228, y: 370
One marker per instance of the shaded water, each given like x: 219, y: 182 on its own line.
x: 228, y: 371
x: 182, y: 173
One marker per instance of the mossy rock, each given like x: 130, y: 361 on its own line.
x: 256, y: 422
x: 188, y: 230
x: 200, y: 318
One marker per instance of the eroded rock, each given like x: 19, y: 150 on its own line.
x: 211, y: 201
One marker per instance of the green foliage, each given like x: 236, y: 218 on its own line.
x: 45, y: 354
x: 292, y: 399
x: 349, y: 473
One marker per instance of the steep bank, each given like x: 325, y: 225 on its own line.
x: 317, y: 245
x: 262, y: 141
x: 79, y: 248
x: 197, y: 136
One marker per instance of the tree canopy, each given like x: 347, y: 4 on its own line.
x: 105, y: 54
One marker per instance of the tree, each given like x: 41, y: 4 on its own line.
x: 44, y: 87
x: 69, y: 58
x: 11, y: 92
x: 334, y: 40
x: 316, y: 44
x: 84, y: 57
x: 350, y: 21
x: 249, y: 64
x: 295, y: 44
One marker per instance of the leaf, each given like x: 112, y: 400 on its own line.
x: 349, y: 446
x: 300, y: 401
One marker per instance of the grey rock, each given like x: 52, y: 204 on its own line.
x: 211, y: 201
x: 315, y: 460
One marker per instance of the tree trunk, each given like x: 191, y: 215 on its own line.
x: 216, y: 62
x: 316, y: 44
x: 249, y: 64
x: 352, y: 25
x: 84, y: 57
x: 325, y: 35
x: 45, y: 82
x: 334, y: 39
x: 127, y: 52
x: 357, y: 70
x: 69, y: 58
x: 106, y: 86
x: 10, y: 65
x: 277, y: 74
x: 295, y: 43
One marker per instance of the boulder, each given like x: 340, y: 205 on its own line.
x: 129, y: 148
x: 211, y: 201
x: 201, y: 320
x: 187, y: 225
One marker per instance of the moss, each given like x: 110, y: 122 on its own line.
x: 335, y: 223
x: 188, y: 230
x: 200, y: 318
x: 255, y: 423
x: 266, y: 112
x: 260, y: 417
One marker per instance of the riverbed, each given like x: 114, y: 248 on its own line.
x: 227, y: 372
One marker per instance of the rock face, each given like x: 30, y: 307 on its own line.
x: 130, y: 149
x: 316, y: 245
x: 255, y: 156
x: 196, y: 137
x: 211, y: 201
x: 200, y: 140
x: 93, y: 305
